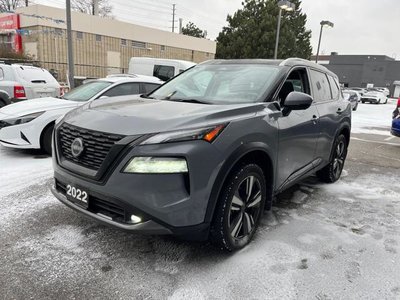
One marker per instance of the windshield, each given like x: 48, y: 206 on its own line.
x: 220, y: 84
x: 86, y: 91
x: 35, y: 75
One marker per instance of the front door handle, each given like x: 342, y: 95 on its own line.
x: 315, y: 119
x: 339, y: 111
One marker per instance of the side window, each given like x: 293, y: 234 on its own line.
x: 1, y: 74
x: 297, y: 81
x: 334, y: 88
x: 163, y: 72
x: 320, y: 86
x: 149, y: 87
x: 123, y: 89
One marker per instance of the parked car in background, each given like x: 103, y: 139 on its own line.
x: 374, y: 96
x: 158, y: 67
x: 396, y: 120
x: 29, y: 124
x: 23, y: 82
x: 206, y: 152
x: 4, y: 99
x: 361, y: 91
x: 353, y: 97
x: 383, y: 90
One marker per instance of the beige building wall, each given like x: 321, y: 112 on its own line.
x: 97, y: 57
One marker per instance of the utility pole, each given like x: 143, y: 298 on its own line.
x: 69, y: 46
x: 173, y: 17
x: 26, y: 3
x: 95, y: 7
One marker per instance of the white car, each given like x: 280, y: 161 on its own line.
x: 29, y: 124
x: 374, y: 96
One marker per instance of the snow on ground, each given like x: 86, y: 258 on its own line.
x: 373, y: 118
x: 339, y: 241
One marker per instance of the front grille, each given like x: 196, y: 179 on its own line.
x: 96, y: 145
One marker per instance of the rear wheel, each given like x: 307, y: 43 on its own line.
x: 46, y: 139
x: 239, y: 208
x: 333, y: 170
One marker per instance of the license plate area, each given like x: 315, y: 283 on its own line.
x: 77, y: 195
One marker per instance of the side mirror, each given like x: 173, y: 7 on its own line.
x: 298, y: 101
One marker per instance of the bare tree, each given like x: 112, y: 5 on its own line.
x: 87, y: 7
x: 8, y: 5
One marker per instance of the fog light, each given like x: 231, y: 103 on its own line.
x: 136, y: 219
x: 157, y: 165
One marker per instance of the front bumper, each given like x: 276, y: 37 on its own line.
x: 370, y: 100
x: 167, y: 203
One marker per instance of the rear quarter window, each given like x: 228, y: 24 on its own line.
x: 35, y: 75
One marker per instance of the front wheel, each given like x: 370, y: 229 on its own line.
x: 333, y: 170
x: 46, y: 139
x: 239, y: 208
x: 386, y: 101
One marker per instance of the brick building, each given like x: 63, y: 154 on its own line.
x: 101, y: 46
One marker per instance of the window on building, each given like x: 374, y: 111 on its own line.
x: 163, y: 72
x: 162, y: 48
x: 58, y: 31
x: 79, y: 35
x: 98, y: 38
x: 123, y: 42
x: 137, y: 44
x: 320, y: 86
x: 131, y: 88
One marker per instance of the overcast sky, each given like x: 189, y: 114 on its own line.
x: 361, y: 26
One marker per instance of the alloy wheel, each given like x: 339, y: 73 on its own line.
x: 245, y: 208
x: 338, y: 161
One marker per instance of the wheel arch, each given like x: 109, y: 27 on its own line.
x: 256, y: 152
x: 52, y: 123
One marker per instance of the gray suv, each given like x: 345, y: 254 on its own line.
x: 202, y: 156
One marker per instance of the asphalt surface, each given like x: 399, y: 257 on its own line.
x: 339, y: 241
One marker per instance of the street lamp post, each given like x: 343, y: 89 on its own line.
x: 288, y: 6
x: 323, y: 24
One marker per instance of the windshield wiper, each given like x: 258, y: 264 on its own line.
x: 146, y: 96
x: 190, y: 101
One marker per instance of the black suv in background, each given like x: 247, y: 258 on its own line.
x: 203, y: 155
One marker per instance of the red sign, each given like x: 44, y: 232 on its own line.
x: 12, y: 22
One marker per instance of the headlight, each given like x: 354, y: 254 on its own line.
x: 23, y: 119
x: 156, y: 165
x: 208, y: 134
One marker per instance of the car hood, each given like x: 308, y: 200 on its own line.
x: 143, y: 116
x: 36, y: 105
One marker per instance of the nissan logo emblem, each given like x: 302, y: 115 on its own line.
x: 77, y: 147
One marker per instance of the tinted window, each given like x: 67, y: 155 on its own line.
x: 123, y: 89
x: 149, y: 87
x: 164, y: 72
x: 86, y: 91
x: 320, y: 86
x: 334, y: 87
x: 297, y: 81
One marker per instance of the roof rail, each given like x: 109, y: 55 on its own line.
x: 122, y: 75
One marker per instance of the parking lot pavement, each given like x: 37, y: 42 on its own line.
x: 319, y: 241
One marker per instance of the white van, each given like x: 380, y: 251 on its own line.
x: 158, y: 67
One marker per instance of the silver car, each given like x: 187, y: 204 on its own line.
x: 23, y: 82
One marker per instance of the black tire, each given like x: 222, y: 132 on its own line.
x: 386, y: 101
x: 362, y: 102
x: 232, y: 209
x: 46, y: 139
x: 331, y: 173
x: 355, y: 107
x: 2, y: 103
